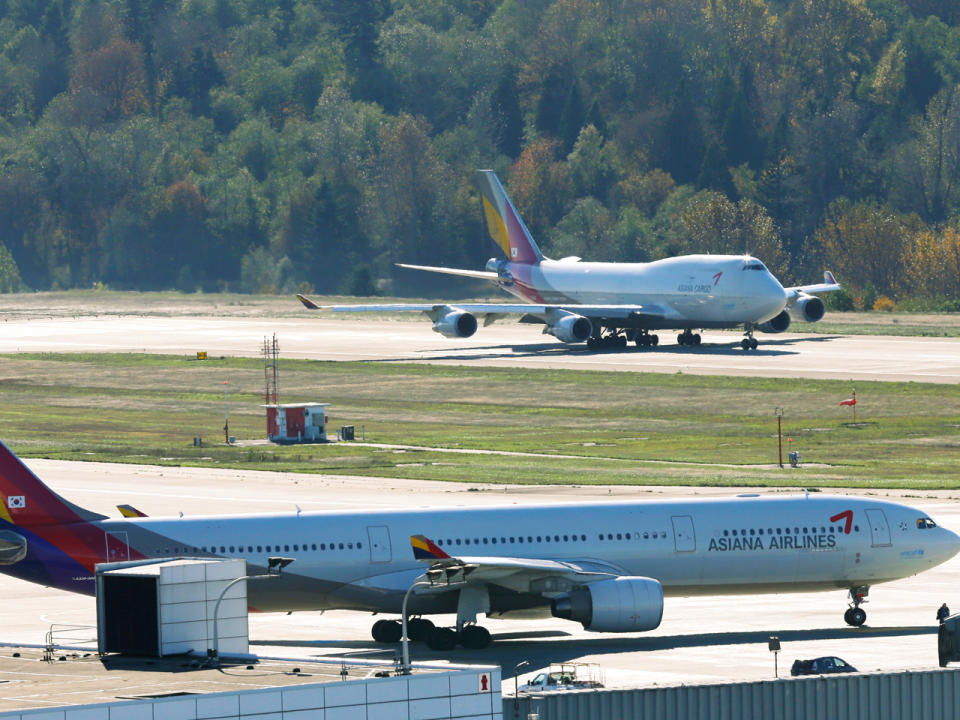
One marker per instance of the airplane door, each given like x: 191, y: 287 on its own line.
x: 118, y: 546
x: 379, y: 536
x: 684, y: 539
x: 879, y: 530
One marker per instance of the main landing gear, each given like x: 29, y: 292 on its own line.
x: 856, y: 615
x: 472, y: 637
x: 645, y: 339
x: 688, y: 338
x: 606, y: 342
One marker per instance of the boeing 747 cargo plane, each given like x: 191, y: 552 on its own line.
x: 607, y: 566
x: 609, y: 304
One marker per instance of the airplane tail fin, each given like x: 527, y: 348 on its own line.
x: 504, y: 223
x: 28, y: 503
x: 425, y: 549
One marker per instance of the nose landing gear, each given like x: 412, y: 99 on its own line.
x: 856, y: 616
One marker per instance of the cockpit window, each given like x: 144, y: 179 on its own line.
x: 753, y: 265
x: 925, y: 522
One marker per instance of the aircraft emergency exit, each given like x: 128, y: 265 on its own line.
x: 607, y: 566
x: 608, y: 304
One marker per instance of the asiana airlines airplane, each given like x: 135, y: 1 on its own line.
x: 609, y: 304
x: 607, y: 565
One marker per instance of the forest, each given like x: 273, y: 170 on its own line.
x: 308, y: 145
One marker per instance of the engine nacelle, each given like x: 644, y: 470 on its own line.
x: 456, y: 323
x: 807, y: 308
x: 13, y: 547
x: 777, y: 324
x: 571, y: 328
x: 623, y: 604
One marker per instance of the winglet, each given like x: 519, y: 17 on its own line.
x: 425, y: 549
x: 829, y: 278
x: 129, y: 511
x: 307, y: 302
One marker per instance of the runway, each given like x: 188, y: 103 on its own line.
x: 704, y: 639
x: 852, y: 357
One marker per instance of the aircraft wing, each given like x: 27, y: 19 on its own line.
x: 829, y: 284
x: 617, y: 312
x: 524, y: 575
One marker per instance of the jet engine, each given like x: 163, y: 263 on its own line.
x: 623, y: 604
x: 13, y: 547
x: 571, y: 328
x: 777, y: 324
x: 807, y: 308
x: 455, y: 323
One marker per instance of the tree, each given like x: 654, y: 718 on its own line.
x: 928, y: 178
x: 9, y: 272
x: 931, y: 263
x: 864, y: 244
x: 713, y: 224
x: 505, y: 108
x: 114, y: 76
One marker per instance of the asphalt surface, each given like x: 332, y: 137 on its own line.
x: 854, y: 357
x: 704, y: 639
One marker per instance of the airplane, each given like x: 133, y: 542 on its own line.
x: 607, y: 565
x: 608, y: 304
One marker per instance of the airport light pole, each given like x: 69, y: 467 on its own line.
x: 226, y: 413
x: 779, y: 413
x: 404, y: 639
x: 275, y: 566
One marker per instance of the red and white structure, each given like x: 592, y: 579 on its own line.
x: 297, y: 422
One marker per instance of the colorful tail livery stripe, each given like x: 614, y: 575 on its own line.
x: 129, y: 511
x: 62, y: 539
x: 504, y: 223
x: 28, y: 503
x: 424, y: 549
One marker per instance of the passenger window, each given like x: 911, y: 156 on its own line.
x: 341, y: 546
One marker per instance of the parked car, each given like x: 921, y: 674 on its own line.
x: 821, y: 666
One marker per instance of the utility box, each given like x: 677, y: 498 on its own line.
x: 166, y: 607
x: 297, y: 422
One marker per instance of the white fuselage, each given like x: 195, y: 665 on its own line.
x: 732, y: 546
x: 700, y: 290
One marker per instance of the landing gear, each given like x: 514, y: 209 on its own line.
x: 419, y: 629
x: 474, y: 637
x: 645, y: 339
x: 749, y: 342
x: 688, y: 338
x: 855, y: 615
x: 387, y: 631
x: 441, y: 638
x: 606, y: 342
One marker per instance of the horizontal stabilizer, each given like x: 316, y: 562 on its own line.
x: 129, y: 511
x: 477, y: 274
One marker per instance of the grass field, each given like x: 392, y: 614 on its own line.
x: 609, y: 427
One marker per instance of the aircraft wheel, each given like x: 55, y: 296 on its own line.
x: 745, y: 344
x: 681, y: 339
x: 753, y: 343
x: 387, y: 631
x: 654, y: 340
x: 641, y: 340
x: 855, y: 616
x: 442, y: 639
x: 696, y: 339
x: 592, y: 343
x: 621, y: 341
x: 474, y: 637
x: 418, y: 629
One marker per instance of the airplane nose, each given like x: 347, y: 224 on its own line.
x: 952, y: 542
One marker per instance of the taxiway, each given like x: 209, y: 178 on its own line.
x: 850, y: 357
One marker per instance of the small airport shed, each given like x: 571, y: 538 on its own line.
x: 167, y: 607
x: 297, y: 422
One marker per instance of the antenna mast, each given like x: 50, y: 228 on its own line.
x: 271, y: 353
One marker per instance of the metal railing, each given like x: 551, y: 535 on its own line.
x: 71, y: 635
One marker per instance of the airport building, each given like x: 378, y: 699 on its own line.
x: 297, y: 422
